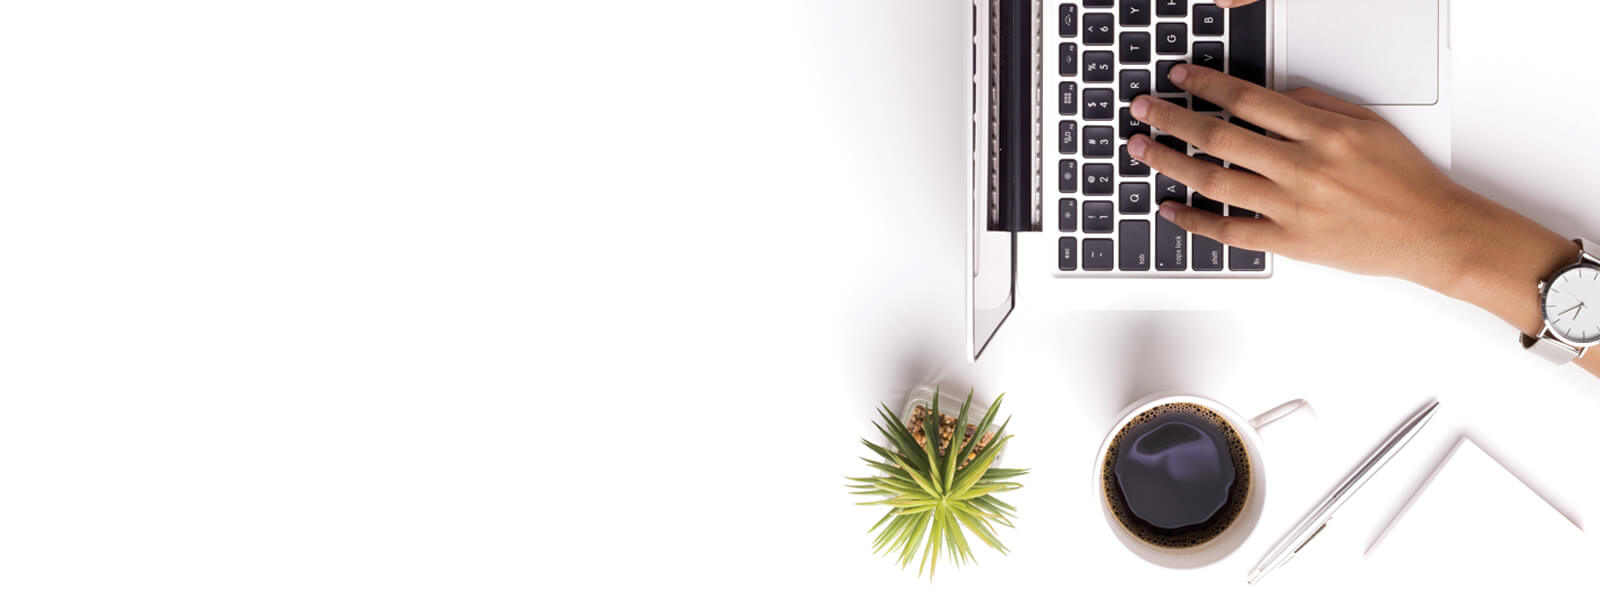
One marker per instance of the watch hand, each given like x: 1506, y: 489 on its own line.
x: 1579, y: 306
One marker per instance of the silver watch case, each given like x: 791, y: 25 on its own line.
x: 1551, y: 343
x: 1544, y: 292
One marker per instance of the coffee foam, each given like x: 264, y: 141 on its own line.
x: 1187, y: 537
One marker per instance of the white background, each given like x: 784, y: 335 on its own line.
x: 512, y: 299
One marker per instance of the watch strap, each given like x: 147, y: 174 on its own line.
x: 1550, y: 349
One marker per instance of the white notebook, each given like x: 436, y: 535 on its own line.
x: 1474, y: 527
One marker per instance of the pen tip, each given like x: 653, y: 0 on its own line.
x: 1255, y: 575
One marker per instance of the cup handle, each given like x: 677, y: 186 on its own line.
x: 1278, y: 412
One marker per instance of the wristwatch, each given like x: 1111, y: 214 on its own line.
x: 1571, y: 326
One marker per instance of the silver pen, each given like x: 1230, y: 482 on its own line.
x: 1312, y: 525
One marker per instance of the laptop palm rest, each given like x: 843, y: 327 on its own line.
x: 1372, y: 52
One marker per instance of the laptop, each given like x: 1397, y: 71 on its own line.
x: 1061, y: 214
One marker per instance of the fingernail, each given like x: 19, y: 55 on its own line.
x: 1137, y: 145
x: 1178, y: 74
x: 1168, y: 209
x: 1141, y: 107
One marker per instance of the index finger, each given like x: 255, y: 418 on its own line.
x: 1261, y: 106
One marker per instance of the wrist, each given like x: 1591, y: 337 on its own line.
x: 1500, y: 271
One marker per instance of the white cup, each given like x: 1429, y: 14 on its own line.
x: 1231, y: 538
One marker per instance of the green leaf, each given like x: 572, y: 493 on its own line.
x: 895, y: 440
x: 902, y: 438
x: 888, y: 533
x: 930, y: 441
x: 930, y: 553
x: 912, y: 539
x: 979, y: 528
x: 885, y: 519
x: 913, y: 510
x: 924, y: 483
x: 983, y: 426
x: 980, y: 464
x: 953, y: 458
x: 957, y: 541
x: 999, y: 473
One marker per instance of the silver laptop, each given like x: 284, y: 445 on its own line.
x: 1062, y: 216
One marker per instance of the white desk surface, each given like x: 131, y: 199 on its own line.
x: 498, y: 299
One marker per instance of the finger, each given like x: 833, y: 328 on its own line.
x: 1251, y: 102
x: 1319, y: 99
x: 1234, y: 3
x: 1250, y: 234
x: 1244, y: 190
x: 1218, y: 137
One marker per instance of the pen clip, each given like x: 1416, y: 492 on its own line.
x: 1308, y: 540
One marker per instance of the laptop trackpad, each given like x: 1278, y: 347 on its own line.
x: 1366, y: 51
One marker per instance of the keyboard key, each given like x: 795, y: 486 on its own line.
x: 1069, y: 99
x: 1131, y: 167
x: 1097, y: 180
x: 1240, y: 259
x: 1097, y: 217
x: 1098, y: 29
x: 1069, y: 215
x: 1127, y: 125
x: 1068, y: 183
x: 1210, y: 159
x: 1098, y: 255
x: 1208, y: 55
x: 1205, y: 253
x: 1180, y: 102
x: 1171, y: 38
x: 1168, y: 188
x: 1135, y: 13
x: 1207, y: 19
x: 1098, y: 142
x: 1069, y: 137
x: 1133, y: 198
x: 1248, y: 38
x: 1171, y: 246
x: 1098, y: 66
x: 1163, y: 83
x: 1135, y: 48
x: 1099, y: 104
x: 1069, y: 20
x: 1099, y: 3
x: 1234, y: 211
x: 1069, y: 60
x: 1177, y: 145
x: 1067, y: 256
x: 1207, y: 204
x: 1135, y: 84
x: 1172, y: 8
x: 1133, y: 239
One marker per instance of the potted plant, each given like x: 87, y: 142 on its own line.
x: 933, y: 498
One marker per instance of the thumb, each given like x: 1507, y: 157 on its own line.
x: 1234, y: 3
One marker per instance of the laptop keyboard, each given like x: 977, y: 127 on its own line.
x: 1107, y: 53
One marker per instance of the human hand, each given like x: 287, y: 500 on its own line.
x: 1342, y: 187
x: 1233, y: 3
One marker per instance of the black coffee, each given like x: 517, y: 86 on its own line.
x: 1177, y: 475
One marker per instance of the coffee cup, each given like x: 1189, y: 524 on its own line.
x: 1181, y: 480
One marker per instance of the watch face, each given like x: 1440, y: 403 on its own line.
x: 1572, y: 305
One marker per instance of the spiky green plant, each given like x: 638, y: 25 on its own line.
x: 933, y: 496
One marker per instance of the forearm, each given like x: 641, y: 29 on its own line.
x: 1501, y: 268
